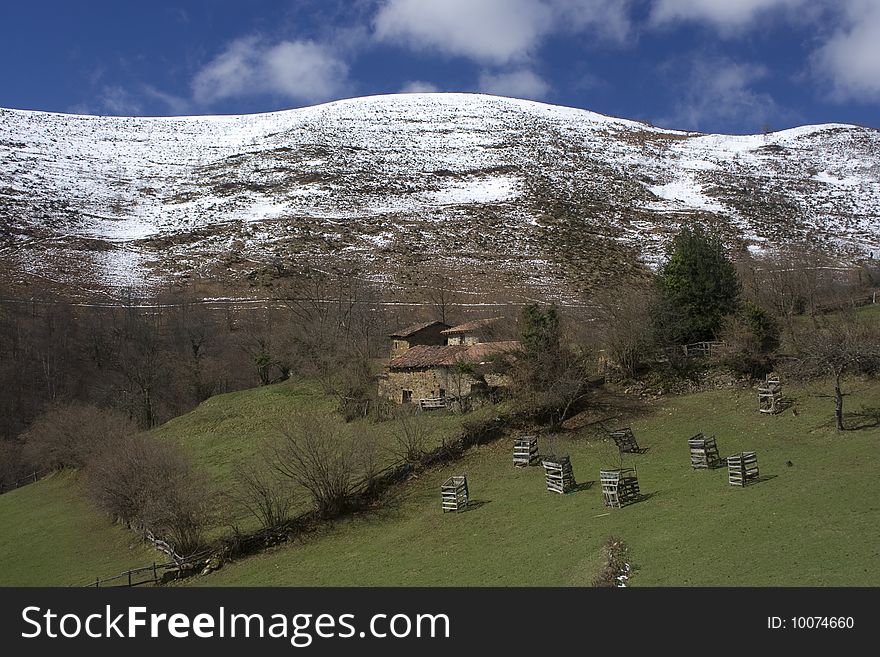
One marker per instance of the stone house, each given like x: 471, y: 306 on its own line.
x: 426, y: 333
x: 430, y: 374
x: 475, y: 332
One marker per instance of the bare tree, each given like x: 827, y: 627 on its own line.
x: 140, y: 356
x: 553, y: 383
x: 368, y: 459
x: 439, y: 292
x: 12, y: 468
x: 623, y: 327
x: 68, y: 435
x: 149, y: 485
x: 260, y: 490
x: 552, y: 375
x: 411, y: 439
x: 318, y: 455
x: 835, y: 348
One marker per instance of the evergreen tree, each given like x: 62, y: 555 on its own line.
x: 540, y: 332
x: 698, y: 287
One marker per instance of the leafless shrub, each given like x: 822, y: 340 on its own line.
x: 411, y: 438
x: 368, y: 459
x: 317, y: 454
x: 148, y: 484
x: 68, y: 435
x: 552, y: 383
x: 260, y: 490
x: 616, y: 570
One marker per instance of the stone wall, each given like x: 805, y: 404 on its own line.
x: 464, y: 338
x: 424, y: 383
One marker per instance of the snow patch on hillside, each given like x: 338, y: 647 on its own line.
x: 493, y: 189
x: 683, y: 194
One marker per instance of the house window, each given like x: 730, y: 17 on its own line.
x: 407, y: 397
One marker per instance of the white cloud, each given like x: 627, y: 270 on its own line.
x: 723, y: 14
x: 717, y: 94
x: 847, y: 58
x: 118, y: 101
x: 175, y: 104
x: 522, y: 83
x: 850, y: 60
x: 495, y: 32
x: 419, y: 87
x: 296, y: 70
x: 608, y: 19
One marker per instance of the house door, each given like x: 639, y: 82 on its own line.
x: 407, y: 397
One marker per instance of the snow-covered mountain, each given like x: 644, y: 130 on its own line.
x: 495, y: 193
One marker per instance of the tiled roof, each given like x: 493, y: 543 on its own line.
x: 471, y: 326
x: 483, y: 351
x: 424, y: 355
x: 414, y: 328
x: 443, y: 356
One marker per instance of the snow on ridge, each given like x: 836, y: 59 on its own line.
x: 124, y: 179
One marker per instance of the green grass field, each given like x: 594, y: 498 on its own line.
x: 52, y: 536
x: 812, y: 523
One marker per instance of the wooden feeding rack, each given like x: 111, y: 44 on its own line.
x: 525, y: 451
x: 454, y: 494
x: 625, y: 441
x: 770, y: 395
x: 558, y: 473
x: 619, y: 486
x: 704, y: 452
x: 702, y: 349
x: 742, y: 468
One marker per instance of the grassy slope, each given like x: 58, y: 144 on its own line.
x: 52, y: 536
x: 232, y: 428
x: 814, y: 523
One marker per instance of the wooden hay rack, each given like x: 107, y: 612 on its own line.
x: 742, y: 468
x: 454, y: 494
x: 625, y: 441
x: 770, y: 395
x: 558, y: 474
x: 704, y: 452
x: 525, y: 451
x: 619, y: 486
x: 432, y: 403
x: 702, y: 349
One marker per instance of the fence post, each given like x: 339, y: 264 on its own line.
x: 97, y: 583
x: 35, y: 476
x: 129, y: 579
x: 155, y: 578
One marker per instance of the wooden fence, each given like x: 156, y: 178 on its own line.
x: 136, y: 576
x: 856, y: 302
x: 31, y: 478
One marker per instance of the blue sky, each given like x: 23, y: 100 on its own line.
x: 711, y: 65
